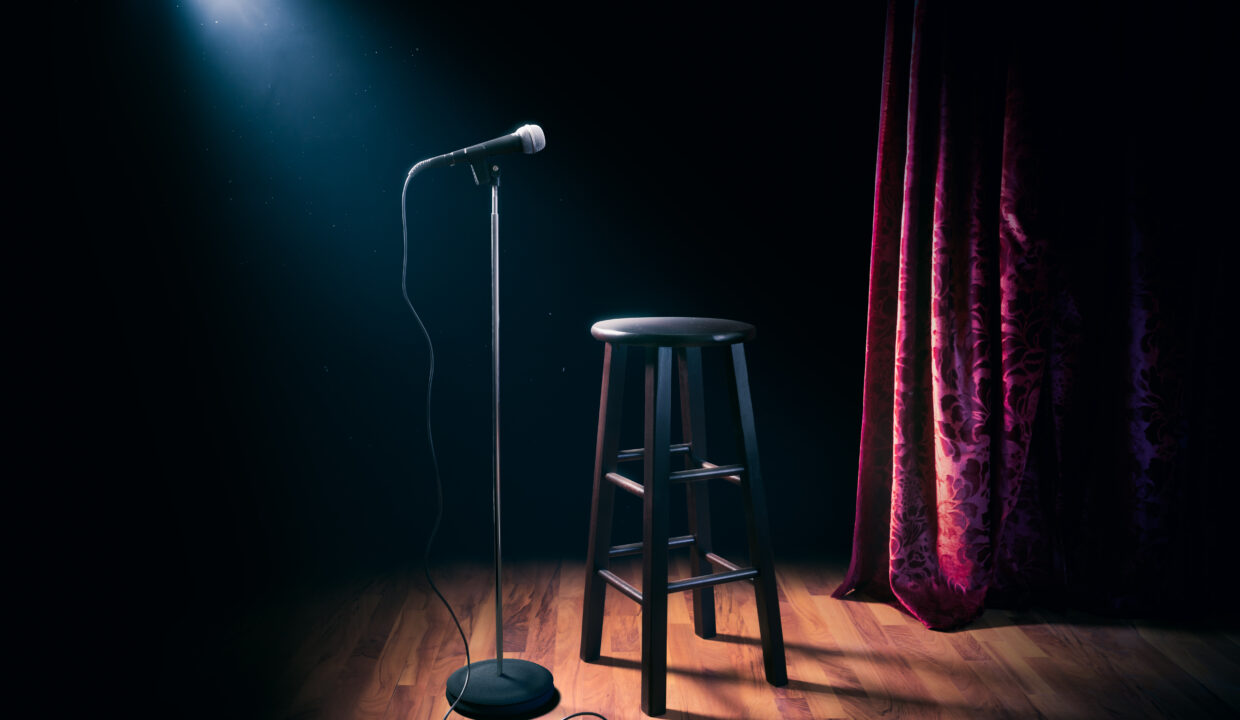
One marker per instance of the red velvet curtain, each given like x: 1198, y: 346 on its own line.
x: 1039, y: 423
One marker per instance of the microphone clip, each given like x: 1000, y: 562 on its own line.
x: 485, y: 172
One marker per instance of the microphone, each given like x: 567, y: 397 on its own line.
x: 528, y: 139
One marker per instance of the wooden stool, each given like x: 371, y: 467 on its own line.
x: 660, y: 336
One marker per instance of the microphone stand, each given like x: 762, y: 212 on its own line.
x: 497, y: 689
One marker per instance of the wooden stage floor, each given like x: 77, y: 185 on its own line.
x: 383, y: 648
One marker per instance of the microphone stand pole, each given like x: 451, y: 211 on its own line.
x: 495, y: 507
x: 497, y: 689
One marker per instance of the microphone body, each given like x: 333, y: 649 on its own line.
x: 527, y: 139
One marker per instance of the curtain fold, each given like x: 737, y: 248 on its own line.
x: 1027, y: 394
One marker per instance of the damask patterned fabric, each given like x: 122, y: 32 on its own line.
x: 1029, y: 393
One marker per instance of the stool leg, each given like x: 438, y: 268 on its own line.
x: 693, y: 422
x: 657, y: 466
x: 760, y: 553
x: 606, y: 446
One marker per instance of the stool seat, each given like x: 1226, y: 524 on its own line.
x: 673, y: 331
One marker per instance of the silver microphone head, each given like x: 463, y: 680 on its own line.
x: 532, y: 138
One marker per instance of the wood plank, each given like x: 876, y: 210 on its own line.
x: 408, y: 629
x: 332, y: 654
x: 519, y: 580
x: 543, y: 615
x: 403, y: 704
x: 311, y: 626
x: 439, y: 632
x: 808, y: 640
x: 1162, y: 686
x: 999, y: 627
x: 622, y: 626
x: 885, y: 614
x: 1113, y: 694
x: 469, y: 590
x: 889, y: 686
x: 1201, y: 659
x: 738, y: 617
x: 583, y: 686
x: 1001, y: 687
x: 1061, y: 666
x: 359, y: 669
x: 691, y: 668
x: 951, y: 679
x: 934, y: 664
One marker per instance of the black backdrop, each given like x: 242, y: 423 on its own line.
x: 231, y: 372
x: 252, y: 366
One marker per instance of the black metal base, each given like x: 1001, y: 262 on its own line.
x: 525, y: 690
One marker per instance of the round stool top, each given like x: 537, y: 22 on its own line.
x: 673, y: 331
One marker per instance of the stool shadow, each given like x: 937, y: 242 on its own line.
x: 816, y: 650
x: 803, y: 686
x: 742, y: 640
x: 631, y: 664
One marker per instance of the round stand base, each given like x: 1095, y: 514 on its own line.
x: 523, y: 688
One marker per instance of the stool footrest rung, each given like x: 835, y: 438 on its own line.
x: 636, y: 548
x: 722, y: 562
x: 707, y: 472
x: 692, y: 583
x: 702, y: 581
x: 631, y: 485
x: 736, y: 479
x: 639, y: 453
x: 619, y: 583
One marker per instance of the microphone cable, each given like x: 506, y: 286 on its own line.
x: 430, y: 441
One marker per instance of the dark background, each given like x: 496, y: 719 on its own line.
x: 232, y: 376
